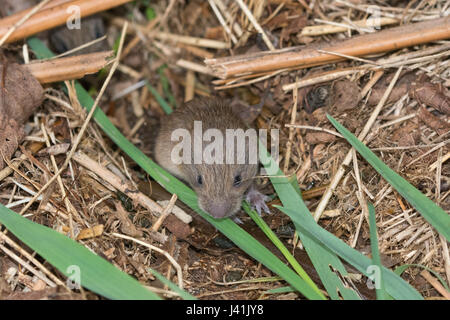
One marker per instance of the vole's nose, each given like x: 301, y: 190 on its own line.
x: 219, y: 210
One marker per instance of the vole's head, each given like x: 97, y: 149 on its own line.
x: 220, y: 187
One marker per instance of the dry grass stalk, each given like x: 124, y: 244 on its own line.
x: 167, y: 210
x: 189, y: 65
x: 152, y: 247
x: 436, y: 284
x: 383, y: 41
x: 27, y: 255
x: 69, y: 207
x: 339, y: 174
x: 318, y: 30
x: 222, y: 20
x: 320, y: 78
x: 193, y: 41
x: 255, y: 24
x: 52, y: 17
x: 27, y: 266
x: 85, y: 124
x: 118, y: 183
x: 190, y: 86
x: 291, y: 130
x: 337, y: 134
x: 69, y: 68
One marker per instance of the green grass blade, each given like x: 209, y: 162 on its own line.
x: 395, y: 286
x: 437, y: 217
x: 172, y: 286
x: 66, y: 255
x: 323, y: 247
x: 277, y: 242
x: 400, y: 269
x: 164, y: 105
x: 379, y: 282
x: 322, y: 258
x: 232, y: 231
x: 165, y: 85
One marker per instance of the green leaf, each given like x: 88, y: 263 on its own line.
x: 277, y: 242
x: 69, y: 257
x: 150, y: 13
x: 323, y: 247
x: 379, y: 285
x: 164, y: 105
x: 437, y: 217
x: 165, y: 85
x: 321, y: 257
x: 183, y: 294
x: 395, y: 286
x: 400, y: 269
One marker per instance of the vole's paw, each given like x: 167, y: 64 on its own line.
x: 237, y: 220
x: 257, y: 200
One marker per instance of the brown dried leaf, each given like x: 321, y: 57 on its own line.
x: 55, y: 149
x: 177, y: 227
x: 319, y: 137
x: 92, y: 232
x: 400, y: 89
x: 346, y: 95
x: 432, y: 95
x: 21, y: 92
x: 440, y: 126
x: 407, y: 135
x: 127, y: 225
x: 11, y: 134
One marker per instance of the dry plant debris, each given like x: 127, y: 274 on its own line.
x: 347, y: 65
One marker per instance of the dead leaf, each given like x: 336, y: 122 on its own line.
x: 92, y: 232
x: 20, y: 94
x: 346, y: 95
x: 432, y: 95
x: 440, y: 126
x: 55, y: 149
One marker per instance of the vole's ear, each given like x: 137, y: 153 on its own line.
x: 246, y: 112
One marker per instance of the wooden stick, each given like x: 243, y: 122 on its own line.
x: 52, y: 16
x: 383, y: 41
x: 69, y: 68
x: 22, y: 21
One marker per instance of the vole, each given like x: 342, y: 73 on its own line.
x: 220, y: 186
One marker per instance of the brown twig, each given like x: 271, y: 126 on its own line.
x: 383, y: 41
x: 52, y: 16
x: 69, y: 68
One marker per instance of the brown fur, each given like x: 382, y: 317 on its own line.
x: 217, y: 194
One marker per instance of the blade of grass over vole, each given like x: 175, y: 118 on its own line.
x: 235, y: 233
x: 74, y: 260
x: 435, y: 215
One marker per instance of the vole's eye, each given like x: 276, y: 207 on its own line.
x: 200, y: 180
x: 237, y: 180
